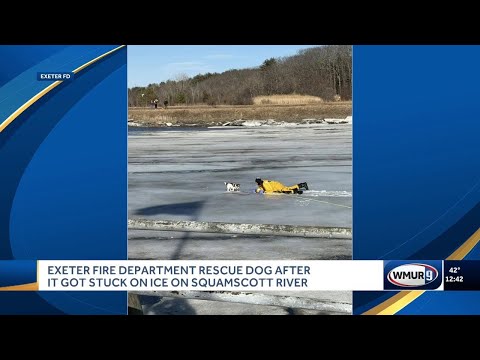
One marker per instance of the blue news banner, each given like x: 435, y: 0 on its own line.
x: 63, y: 161
x: 416, y: 171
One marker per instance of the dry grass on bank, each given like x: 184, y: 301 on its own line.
x: 214, y: 116
x: 291, y: 99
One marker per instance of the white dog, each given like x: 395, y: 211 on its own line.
x: 232, y: 186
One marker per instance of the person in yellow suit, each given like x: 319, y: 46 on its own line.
x: 271, y: 186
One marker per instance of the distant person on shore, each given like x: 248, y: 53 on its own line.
x: 155, y: 102
x: 165, y: 104
x: 271, y: 186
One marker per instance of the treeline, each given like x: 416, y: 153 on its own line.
x: 324, y: 71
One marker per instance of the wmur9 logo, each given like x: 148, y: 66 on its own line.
x: 412, y: 275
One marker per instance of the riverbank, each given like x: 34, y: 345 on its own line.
x: 202, y: 116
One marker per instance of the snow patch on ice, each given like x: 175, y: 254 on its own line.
x: 253, y: 123
x: 272, y: 122
x: 339, y: 121
x: 327, y: 193
x: 256, y: 123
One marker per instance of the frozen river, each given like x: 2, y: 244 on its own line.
x: 179, y: 174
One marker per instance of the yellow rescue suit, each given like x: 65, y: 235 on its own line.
x: 270, y: 186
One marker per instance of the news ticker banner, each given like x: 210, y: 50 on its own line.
x: 238, y: 275
x: 63, y: 166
